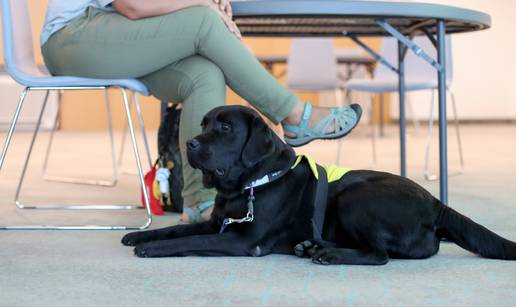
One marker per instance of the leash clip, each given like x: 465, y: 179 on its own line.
x: 249, y: 216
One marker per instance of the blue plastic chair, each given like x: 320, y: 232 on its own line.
x: 21, y: 66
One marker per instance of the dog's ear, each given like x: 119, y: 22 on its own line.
x: 260, y: 143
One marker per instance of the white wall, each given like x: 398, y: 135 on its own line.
x: 484, y: 65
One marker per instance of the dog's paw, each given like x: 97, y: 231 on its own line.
x: 305, y: 249
x: 140, y: 252
x: 134, y: 238
x: 144, y: 251
x: 309, y: 247
x: 326, y: 256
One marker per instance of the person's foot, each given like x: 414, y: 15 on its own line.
x: 197, y: 213
x: 318, y: 113
x: 307, y: 123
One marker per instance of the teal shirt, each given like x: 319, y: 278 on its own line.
x: 61, y: 12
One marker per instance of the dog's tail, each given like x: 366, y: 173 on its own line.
x: 472, y: 236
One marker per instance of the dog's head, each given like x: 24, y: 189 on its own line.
x: 235, y: 147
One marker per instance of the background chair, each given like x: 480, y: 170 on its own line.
x: 21, y: 66
x: 312, y: 66
x: 419, y: 75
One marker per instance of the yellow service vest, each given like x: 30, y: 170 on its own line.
x: 333, y: 172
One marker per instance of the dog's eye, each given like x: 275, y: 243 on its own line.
x: 225, y: 127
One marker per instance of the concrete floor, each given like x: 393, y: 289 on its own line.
x: 91, y: 268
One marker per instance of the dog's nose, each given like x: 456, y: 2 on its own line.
x: 193, y: 144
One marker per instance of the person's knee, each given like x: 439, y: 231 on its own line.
x: 179, y: 81
x: 199, y: 16
x: 207, y: 14
x: 210, y: 22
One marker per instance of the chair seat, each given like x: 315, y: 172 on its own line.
x: 41, y: 79
x: 387, y: 85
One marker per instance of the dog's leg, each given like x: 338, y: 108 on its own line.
x: 225, y: 244
x: 333, y: 255
x: 177, y: 231
x: 309, y: 247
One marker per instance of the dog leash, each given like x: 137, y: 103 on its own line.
x: 249, y: 216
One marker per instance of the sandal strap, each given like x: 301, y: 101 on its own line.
x: 303, y: 123
x: 195, y: 213
x: 340, y: 116
x: 205, y: 205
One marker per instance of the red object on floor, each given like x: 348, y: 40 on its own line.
x: 155, y: 204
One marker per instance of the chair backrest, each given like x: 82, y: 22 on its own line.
x: 17, y: 39
x: 415, y: 67
x: 312, y: 64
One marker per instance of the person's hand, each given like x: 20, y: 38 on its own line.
x: 225, y: 7
x: 233, y: 28
x: 227, y: 19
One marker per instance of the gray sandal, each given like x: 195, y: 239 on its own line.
x: 345, y: 119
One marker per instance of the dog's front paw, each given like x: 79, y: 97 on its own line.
x: 144, y: 251
x: 309, y: 247
x: 134, y: 238
x: 326, y: 256
x: 305, y: 249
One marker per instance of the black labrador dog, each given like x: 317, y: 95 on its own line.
x: 370, y: 216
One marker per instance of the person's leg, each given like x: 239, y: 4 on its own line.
x: 199, y: 85
x: 103, y: 44
x: 108, y: 45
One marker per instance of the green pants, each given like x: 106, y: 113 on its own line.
x: 187, y: 56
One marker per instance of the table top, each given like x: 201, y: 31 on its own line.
x: 342, y: 17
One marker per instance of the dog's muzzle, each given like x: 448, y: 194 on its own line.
x: 193, y: 152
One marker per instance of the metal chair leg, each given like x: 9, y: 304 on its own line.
x: 29, y: 153
x: 16, y: 115
x: 78, y: 207
x: 428, y: 175
x: 65, y: 179
x: 142, y: 128
x: 141, y: 175
x: 51, y: 138
x: 121, y: 152
x: 144, y: 136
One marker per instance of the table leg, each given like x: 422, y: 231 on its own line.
x: 401, y: 91
x: 443, y: 153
